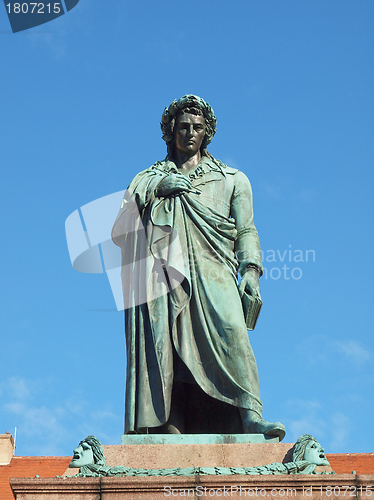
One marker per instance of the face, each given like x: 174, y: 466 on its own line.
x: 189, y: 132
x: 315, y: 454
x: 83, y: 455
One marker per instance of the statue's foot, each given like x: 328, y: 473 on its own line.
x: 166, y: 429
x: 171, y: 429
x: 261, y: 426
x: 254, y: 424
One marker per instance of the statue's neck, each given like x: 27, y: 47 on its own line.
x: 186, y: 163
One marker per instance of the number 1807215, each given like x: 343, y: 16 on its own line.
x: 34, y: 8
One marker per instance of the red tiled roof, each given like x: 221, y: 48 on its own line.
x: 29, y: 467
x: 345, y: 463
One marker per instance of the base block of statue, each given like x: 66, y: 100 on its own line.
x: 167, y: 456
x: 140, y: 439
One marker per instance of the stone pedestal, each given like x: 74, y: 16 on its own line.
x: 224, y: 454
x: 179, y: 452
x: 158, y: 456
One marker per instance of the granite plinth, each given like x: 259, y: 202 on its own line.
x: 164, y: 456
x: 167, y: 456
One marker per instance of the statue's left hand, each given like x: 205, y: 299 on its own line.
x: 250, y: 283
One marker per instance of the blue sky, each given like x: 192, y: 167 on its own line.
x: 291, y: 82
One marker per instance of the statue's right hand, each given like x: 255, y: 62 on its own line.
x: 173, y: 184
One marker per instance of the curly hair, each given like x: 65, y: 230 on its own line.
x: 300, y: 446
x: 97, y: 449
x: 187, y: 104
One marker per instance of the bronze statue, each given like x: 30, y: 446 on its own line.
x: 190, y: 366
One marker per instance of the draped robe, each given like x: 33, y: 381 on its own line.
x: 180, y: 258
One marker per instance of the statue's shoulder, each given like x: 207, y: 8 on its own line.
x: 159, y: 167
x: 225, y: 168
x: 166, y: 166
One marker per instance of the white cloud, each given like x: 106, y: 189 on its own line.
x: 309, y: 420
x: 270, y: 191
x: 352, y: 350
x: 310, y: 417
x: 18, y: 388
x: 55, y: 34
x: 27, y: 326
x: 340, y: 430
x: 320, y: 348
x: 50, y: 426
x: 42, y: 421
x: 15, y: 407
x: 230, y: 162
x: 305, y: 195
x: 297, y: 428
x: 102, y: 415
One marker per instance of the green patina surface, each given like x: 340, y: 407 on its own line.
x: 277, y: 468
x: 139, y: 439
x: 186, y: 230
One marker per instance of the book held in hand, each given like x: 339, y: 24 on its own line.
x: 251, y: 307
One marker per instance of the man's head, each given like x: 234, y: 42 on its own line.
x: 89, y: 451
x: 189, y: 133
x: 308, y: 448
x: 197, y: 110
